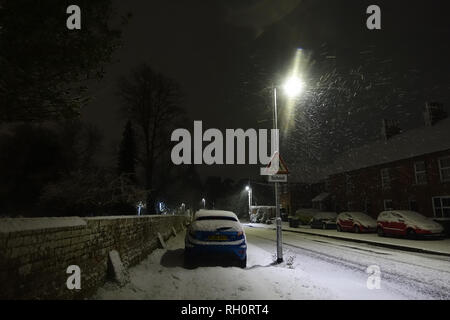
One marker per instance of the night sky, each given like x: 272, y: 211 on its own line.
x: 227, y: 54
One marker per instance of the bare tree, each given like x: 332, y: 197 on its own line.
x: 152, y: 102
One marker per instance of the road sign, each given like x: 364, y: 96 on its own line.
x: 278, y: 178
x: 283, y: 170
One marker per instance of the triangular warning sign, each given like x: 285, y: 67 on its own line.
x: 282, y: 165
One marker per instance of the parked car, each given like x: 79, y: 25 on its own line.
x: 355, y: 221
x: 262, y: 214
x: 407, y: 223
x: 216, y: 232
x: 324, y: 220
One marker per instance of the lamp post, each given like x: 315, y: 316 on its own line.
x: 204, y: 203
x: 293, y: 87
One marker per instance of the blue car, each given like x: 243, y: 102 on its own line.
x: 216, y: 233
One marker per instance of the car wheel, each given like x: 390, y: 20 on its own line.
x: 380, y: 232
x: 411, y: 234
x: 188, y: 260
x: 243, y: 263
x: 356, y: 229
x: 338, y: 228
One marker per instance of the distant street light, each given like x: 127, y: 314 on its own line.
x: 139, y: 206
x: 249, y: 190
x: 293, y: 87
x: 204, y: 203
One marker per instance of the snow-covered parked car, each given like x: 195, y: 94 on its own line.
x: 356, y: 222
x: 262, y: 214
x: 324, y: 220
x: 407, y: 223
x: 215, y: 232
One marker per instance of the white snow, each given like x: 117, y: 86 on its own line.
x: 214, y: 213
x: 314, y: 268
x: 213, y: 225
x: 161, y: 276
x: 8, y: 225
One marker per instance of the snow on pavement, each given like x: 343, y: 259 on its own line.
x: 162, y: 276
x: 314, y: 268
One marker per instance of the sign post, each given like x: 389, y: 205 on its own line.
x: 280, y: 176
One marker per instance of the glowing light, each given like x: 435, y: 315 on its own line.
x: 293, y: 87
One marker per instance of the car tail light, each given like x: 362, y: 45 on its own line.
x: 240, y: 234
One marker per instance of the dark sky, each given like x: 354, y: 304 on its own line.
x: 227, y: 54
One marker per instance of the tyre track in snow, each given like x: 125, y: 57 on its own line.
x: 402, y: 276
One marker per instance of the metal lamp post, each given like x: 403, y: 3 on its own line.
x: 249, y: 190
x: 293, y: 87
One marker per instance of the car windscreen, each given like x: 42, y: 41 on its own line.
x: 216, y: 218
x: 359, y: 215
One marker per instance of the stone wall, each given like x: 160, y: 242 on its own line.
x: 35, y: 253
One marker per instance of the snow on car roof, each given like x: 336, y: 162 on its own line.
x: 426, y: 139
x: 214, y: 213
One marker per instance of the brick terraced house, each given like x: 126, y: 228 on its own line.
x: 406, y: 170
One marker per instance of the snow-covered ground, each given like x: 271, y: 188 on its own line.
x: 162, y: 276
x: 432, y: 245
x: 314, y: 268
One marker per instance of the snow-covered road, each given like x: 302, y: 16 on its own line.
x: 314, y: 268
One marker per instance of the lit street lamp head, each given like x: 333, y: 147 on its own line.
x: 293, y: 87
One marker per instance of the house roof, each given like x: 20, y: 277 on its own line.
x: 409, y: 144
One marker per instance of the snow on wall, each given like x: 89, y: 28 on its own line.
x: 14, y: 225
x: 35, y: 253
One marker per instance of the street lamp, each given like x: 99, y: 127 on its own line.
x: 249, y: 190
x: 139, y: 206
x: 293, y: 87
x: 204, y: 203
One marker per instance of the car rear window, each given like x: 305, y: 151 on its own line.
x: 216, y: 218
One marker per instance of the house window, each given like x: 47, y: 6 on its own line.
x: 441, y: 207
x: 349, y: 184
x: 385, y: 178
x: 413, y: 205
x: 350, y: 206
x: 388, y: 205
x: 420, y: 171
x: 444, y: 169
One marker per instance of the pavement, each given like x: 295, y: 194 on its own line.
x: 431, y: 246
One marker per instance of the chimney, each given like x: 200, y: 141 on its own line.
x: 434, y: 112
x: 389, y: 128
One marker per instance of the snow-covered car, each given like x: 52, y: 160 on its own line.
x: 407, y: 223
x: 262, y: 214
x: 356, y: 222
x: 215, y: 232
x: 324, y: 220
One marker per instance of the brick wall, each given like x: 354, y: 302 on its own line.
x: 35, y: 253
